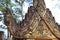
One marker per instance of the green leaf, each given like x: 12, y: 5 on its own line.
x: 2, y: 8
x: 13, y: 4
x: 7, y: 1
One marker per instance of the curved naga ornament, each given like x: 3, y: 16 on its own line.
x: 38, y: 23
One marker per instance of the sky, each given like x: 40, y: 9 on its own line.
x: 2, y: 25
x: 54, y: 6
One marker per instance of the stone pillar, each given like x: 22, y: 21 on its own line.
x: 1, y: 35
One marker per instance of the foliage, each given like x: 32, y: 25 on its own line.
x: 2, y: 8
x: 3, y: 4
x: 7, y: 1
x: 9, y: 4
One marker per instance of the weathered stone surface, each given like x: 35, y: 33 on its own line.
x: 38, y: 23
x: 58, y: 26
x: 1, y: 35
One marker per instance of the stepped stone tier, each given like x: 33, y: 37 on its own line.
x: 38, y: 23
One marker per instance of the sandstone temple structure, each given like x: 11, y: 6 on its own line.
x: 39, y: 24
